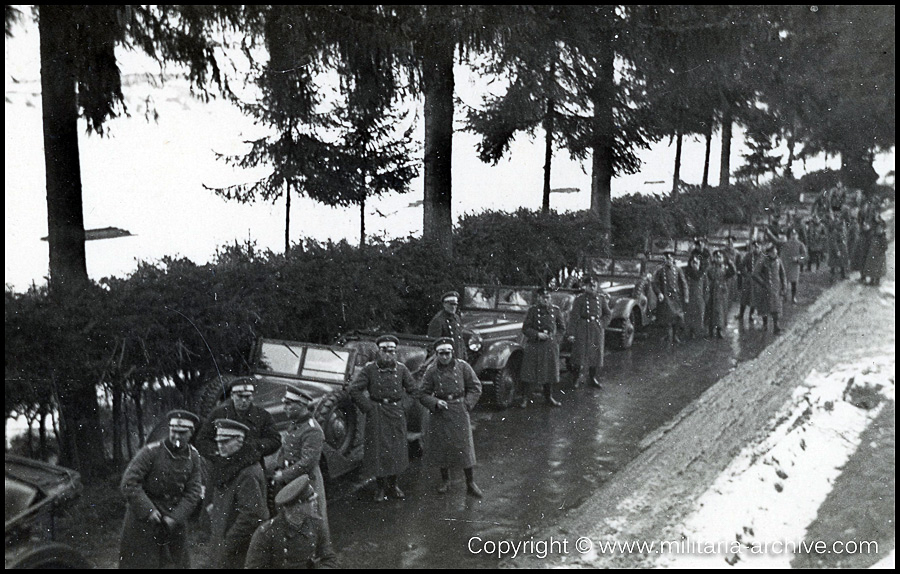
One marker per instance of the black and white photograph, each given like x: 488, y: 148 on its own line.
x: 450, y: 286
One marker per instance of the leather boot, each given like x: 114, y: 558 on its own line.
x: 445, y: 481
x: 472, y: 488
x: 548, y: 397
x: 393, y: 490
x: 380, y: 490
x: 593, y: 380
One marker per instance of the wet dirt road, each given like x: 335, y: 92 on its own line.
x: 535, y: 463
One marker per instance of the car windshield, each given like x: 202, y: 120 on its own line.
x: 305, y: 361
x: 479, y: 297
x: 513, y: 299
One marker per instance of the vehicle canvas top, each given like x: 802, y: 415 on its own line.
x: 32, y: 486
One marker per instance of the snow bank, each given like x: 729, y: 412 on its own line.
x: 756, y: 513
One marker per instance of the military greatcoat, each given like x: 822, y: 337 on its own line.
x: 378, y: 391
x: 589, y: 318
x: 875, y: 264
x: 669, y: 281
x: 770, y: 276
x: 719, y: 281
x: 279, y: 545
x: 239, y: 507
x: 793, y: 255
x: 449, y: 437
x: 301, y: 451
x: 698, y: 291
x: 446, y: 324
x: 168, y: 481
x: 540, y: 360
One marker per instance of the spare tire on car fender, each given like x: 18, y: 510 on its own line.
x: 340, y: 421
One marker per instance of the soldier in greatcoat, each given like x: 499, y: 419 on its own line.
x: 301, y: 449
x: 262, y: 439
x: 770, y: 276
x: 540, y: 359
x: 793, y: 254
x: 875, y: 264
x: 749, y: 287
x: 162, y: 486
x: 670, y: 286
x: 837, y: 247
x: 238, y: 498
x: 379, y: 391
x: 296, y: 538
x: 719, y: 279
x: 589, y: 318
x: 450, y: 390
x: 446, y: 323
x: 697, y: 293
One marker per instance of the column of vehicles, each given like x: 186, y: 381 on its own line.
x: 491, y: 317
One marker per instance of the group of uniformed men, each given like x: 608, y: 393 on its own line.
x: 164, y: 485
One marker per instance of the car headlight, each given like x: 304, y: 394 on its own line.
x: 475, y: 343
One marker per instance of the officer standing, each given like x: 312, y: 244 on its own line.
x: 301, y: 449
x: 772, y: 280
x: 589, y: 319
x: 296, y: 538
x: 162, y: 487
x: 239, y: 496
x: 450, y: 390
x: 379, y: 391
x: 671, y: 289
x: 540, y: 360
x: 446, y: 323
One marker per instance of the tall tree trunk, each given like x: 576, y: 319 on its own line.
x: 117, y: 426
x: 708, y: 134
x: 362, y: 223
x: 725, y: 166
x: 437, y: 77
x: 287, y: 218
x: 676, y: 178
x: 42, y: 431
x: 139, y: 415
x: 81, y: 446
x: 789, y: 167
x: 549, y: 128
x: 65, y: 216
x: 601, y: 163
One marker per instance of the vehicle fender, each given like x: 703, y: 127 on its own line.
x: 496, y: 356
x: 51, y: 555
x: 621, y: 309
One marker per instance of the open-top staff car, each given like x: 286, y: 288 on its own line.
x: 34, y: 492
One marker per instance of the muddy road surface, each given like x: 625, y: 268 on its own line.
x: 535, y: 464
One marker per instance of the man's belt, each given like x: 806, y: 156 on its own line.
x: 450, y: 398
x: 387, y: 401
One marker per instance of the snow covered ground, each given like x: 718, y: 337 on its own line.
x: 757, y: 511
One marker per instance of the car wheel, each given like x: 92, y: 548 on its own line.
x: 212, y: 392
x: 339, y: 419
x: 505, y: 388
x: 624, y: 338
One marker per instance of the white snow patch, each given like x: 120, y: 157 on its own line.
x: 756, y: 513
x: 885, y: 563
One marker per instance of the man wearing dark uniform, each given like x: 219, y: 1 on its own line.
x: 446, y: 324
x: 748, y: 286
x: 238, y: 498
x: 295, y: 539
x: 540, y: 359
x: 671, y: 288
x: 378, y: 391
x: 450, y: 390
x: 162, y: 487
x: 589, y: 318
x: 301, y: 449
x: 772, y: 280
x: 262, y: 439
